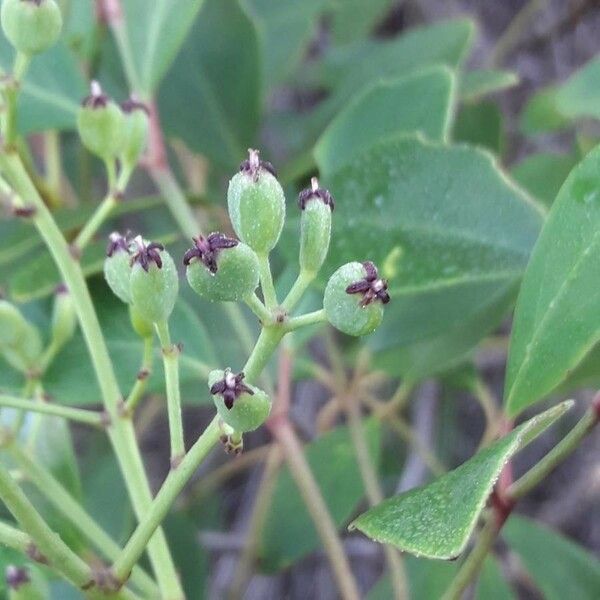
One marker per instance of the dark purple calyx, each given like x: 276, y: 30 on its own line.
x: 146, y: 253
x: 314, y: 192
x: 118, y: 243
x: 231, y: 387
x: 16, y: 576
x: 36, y: 2
x: 253, y: 166
x: 371, y: 286
x: 206, y: 249
x: 97, y: 98
x: 132, y: 104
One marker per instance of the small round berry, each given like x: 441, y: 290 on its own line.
x: 141, y: 326
x: 154, y: 281
x: 136, y: 131
x: 117, y: 266
x: 315, y: 226
x: 64, y: 318
x: 31, y: 26
x: 241, y: 406
x: 256, y: 204
x: 221, y: 269
x: 354, y: 298
x: 101, y: 124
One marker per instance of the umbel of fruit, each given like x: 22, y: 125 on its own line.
x: 316, y: 204
x: 240, y: 405
x: 31, y: 26
x: 354, y: 298
x: 219, y: 268
x: 101, y: 124
x: 154, y: 282
x: 256, y: 204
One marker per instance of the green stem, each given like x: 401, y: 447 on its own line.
x: 266, y: 281
x: 174, y: 483
x: 557, y: 455
x: 121, y: 432
x: 53, y: 165
x: 170, y: 354
x: 312, y: 318
x: 80, y: 415
x: 141, y: 383
x: 16, y: 539
x: 472, y: 565
x: 259, y: 309
x: 267, y: 342
x: 11, y: 95
x: 305, y: 278
x: 72, y: 510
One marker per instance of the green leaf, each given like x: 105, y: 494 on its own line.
x: 481, y: 124
x: 437, y: 520
x: 557, y: 319
x: 492, y: 584
x: 478, y: 83
x: 560, y: 568
x: 426, y: 99
x: 354, y: 19
x: 449, y: 231
x: 541, y: 113
x: 156, y: 35
x: 219, y: 72
x: 543, y: 174
x: 71, y: 379
x: 51, y: 91
x: 289, y: 532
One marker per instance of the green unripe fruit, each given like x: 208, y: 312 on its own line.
x: 315, y: 226
x: 64, y: 319
x: 241, y: 406
x: 31, y: 26
x: 117, y: 267
x: 136, y: 132
x: 140, y: 325
x: 221, y: 269
x: 256, y: 204
x: 101, y: 125
x: 12, y: 324
x: 154, y: 282
x: 354, y: 297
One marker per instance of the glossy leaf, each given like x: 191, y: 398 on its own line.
x: 557, y: 319
x: 417, y: 103
x: 52, y: 89
x: 543, y: 174
x: 289, y: 532
x: 156, y: 36
x: 560, y: 568
x: 448, y: 230
x: 220, y: 72
x: 492, y: 584
x: 437, y: 520
x: 477, y: 83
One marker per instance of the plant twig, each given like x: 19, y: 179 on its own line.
x: 266, y: 282
x: 143, y: 376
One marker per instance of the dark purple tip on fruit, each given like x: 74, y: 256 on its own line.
x: 206, y: 249
x: 133, y: 103
x: 314, y: 192
x: 372, y: 287
x: 97, y: 98
x: 252, y: 166
x: 16, y: 576
x: 231, y: 387
x: 116, y: 242
x: 61, y: 289
x: 147, y: 253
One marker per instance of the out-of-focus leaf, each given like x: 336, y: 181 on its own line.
x: 492, y: 584
x: 286, y: 28
x: 354, y: 19
x: 543, y: 174
x: 560, y: 568
x: 477, y: 83
x: 71, y: 378
x: 156, y: 34
x: 557, y: 319
x: 211, y: 97
x: 52, y: 89
x: 448, y: 230
x: 421, y: 102
x: 481, y: 124
x: 437, y: 520
x: 428, y: 580
x: 289, y: 532
x: 541, y: 113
